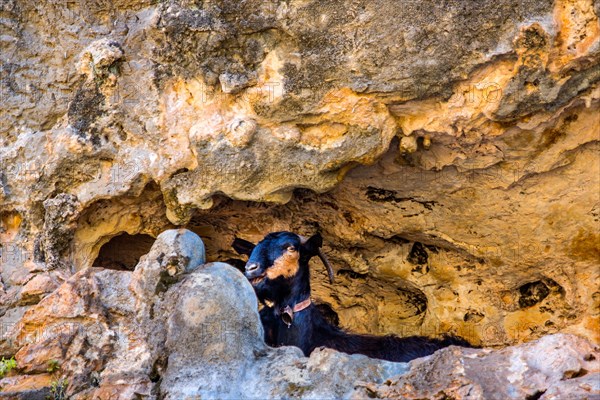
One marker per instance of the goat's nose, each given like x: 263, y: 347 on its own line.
x: 251, y: 267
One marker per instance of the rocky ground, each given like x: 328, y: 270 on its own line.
x: 447, y: 152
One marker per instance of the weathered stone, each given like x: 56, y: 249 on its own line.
x: 26, y: 387
x: 586, y: 387
x: 39, y: 286
x: 551, y: 367
x: 234, y: 83
x: 112, y: 334
x: 133, y: 125
x: 98, y: 56
x: 60, y: 218
x: 200, y: 336
x: 157, y: 115
x: 174, y: 252
x: 9, y: 323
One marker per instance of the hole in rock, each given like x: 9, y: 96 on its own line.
x: 536, y: 395
x: 473, y: 316
x: 160, y: 365
x: 575, y: 374
x: 532, y: 293
x: 141, y: 210
x: 418, y: 256
x: 369, y: 237
x: 123, y: 252
x: 351, y: 274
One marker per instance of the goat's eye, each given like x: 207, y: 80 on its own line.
x: 291, y: 249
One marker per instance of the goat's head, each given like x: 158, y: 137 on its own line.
x: 280, y: 255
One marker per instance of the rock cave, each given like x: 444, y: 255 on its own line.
x: 447, y: 153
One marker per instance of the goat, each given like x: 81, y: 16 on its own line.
x: 278, y: 270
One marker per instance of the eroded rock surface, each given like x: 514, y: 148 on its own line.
x: 194, y: 332
x: 478, y: 213
x: 171, y: 333
x: 554, y: 367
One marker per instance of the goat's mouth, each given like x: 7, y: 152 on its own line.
x: 258, y: 279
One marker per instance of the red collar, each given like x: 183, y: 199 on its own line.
x: 302, y: 305
x: 287, y: 313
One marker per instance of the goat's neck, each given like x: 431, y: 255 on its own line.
x: 299, y: 289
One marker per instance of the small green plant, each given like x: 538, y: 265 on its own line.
x: 7, y: 365
x: 58, y: 386
x: 53, y: 366
x: 58, y: 389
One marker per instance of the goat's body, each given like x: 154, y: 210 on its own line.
x: 310, y: 330
x: 278, y: 270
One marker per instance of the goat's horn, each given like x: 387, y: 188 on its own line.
x: 327, y: 265
x: 322, y: 257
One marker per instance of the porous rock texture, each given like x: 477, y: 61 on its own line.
x: 176, y: 328
x: 554, y: 367
x: 447, y: 151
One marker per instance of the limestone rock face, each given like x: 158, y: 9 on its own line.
x: 196, y: 332
x: 554, y: 367
x: 448, y: 152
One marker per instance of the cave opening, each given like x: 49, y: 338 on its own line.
x: 363, y: 299
x: 397, y: 269
x: 123, y: 252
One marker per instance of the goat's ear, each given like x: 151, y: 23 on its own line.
x: 243, y: 246
x: 312, y: 247
x: 313, y: 244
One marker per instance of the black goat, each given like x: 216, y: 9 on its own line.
x: 278, y: 270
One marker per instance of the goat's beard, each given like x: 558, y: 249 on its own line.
x: 261, y: 289
x: 270, y: 292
